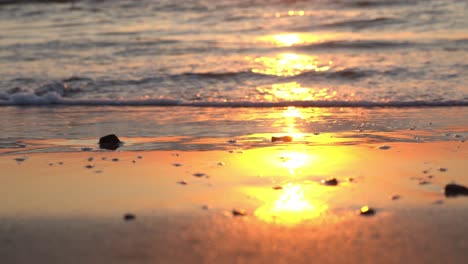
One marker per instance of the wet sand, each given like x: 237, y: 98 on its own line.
x: 70, y: 207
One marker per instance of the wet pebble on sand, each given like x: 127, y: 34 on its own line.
x: 384, y: 147
x: 182, y: 182
x: 199, y: 174
x: 453, y: 190
x: 424, y: 182
x: 330, y: 181
x: 239, y: 212
x: 277, y: 188
x: 20, y: 159
x: 129, y: 217
x: 367, y: 211
x: 283, y: 139
x: 395, y: 197
x: 86, y: 149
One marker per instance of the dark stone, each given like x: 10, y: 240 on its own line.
x: 330, y: 181
x: 110, y: 142
x: 366, y: 211
x: 452, y: 190
x: 129, y: 217
x: 284, y: 139
x: 238, y: 212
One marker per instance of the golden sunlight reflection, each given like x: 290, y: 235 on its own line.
x: 289, y: 64
x: 290, y: 205
x: 287, y: 39
x: 295, y: 160
x: 293, y: 91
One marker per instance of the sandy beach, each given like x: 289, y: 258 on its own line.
x: 233, y: 131
x: 240, y: 205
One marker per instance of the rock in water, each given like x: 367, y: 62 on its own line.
x: 110, y: 142
x: 452, y: 190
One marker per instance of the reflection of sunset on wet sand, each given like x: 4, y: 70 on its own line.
x: 290, y: 205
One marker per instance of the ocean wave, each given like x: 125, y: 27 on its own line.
x: 355, y: 44
x: 376, y: 3
x: 54, y: 98
x: 358, y: 24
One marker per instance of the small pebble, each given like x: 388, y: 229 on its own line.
x: 199, y: 174
x: 182, y: 182
x: 367, y: 211
x: 86, y: 149
x: 384, y: 147
x: 277, y: 187
x: 239, y: 212
x: 423, y: 182
x: 139, y: 157
x: 89, y: 166
x: 205, y: 207
x: 330, y: 182
x: 350, y: 179
x: 20, y: 159
x: 395, y: 197
x: 316, y: 133
x: 425, y: 171
x: 60, y: 163
x: 129, y: 217
x: 442, y: 169
x: 50, y: 164
x: 283, y: 138
x: 220, y: 163
x: 115, y: 159
x: 176, y: 164
x: 134, y: 161
x: 232, y: 141
x: 90, y: 159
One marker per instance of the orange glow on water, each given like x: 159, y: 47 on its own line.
x: 294, y: 91
x: 287, y: 39
x: 288, y: 64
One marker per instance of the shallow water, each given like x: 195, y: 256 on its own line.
x: 251, y: 53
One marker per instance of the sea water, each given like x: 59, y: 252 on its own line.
x: 201, y: 68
